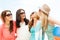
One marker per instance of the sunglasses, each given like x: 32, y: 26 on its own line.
x: 8, y: 14
x: 22, y: 13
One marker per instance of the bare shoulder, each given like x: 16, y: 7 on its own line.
x: 51, y: 21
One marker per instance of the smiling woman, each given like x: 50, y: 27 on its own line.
x: 7, y: 29
x: 22, y: 25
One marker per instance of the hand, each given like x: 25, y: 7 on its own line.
x: 30, y: 19
x: 38, y: 13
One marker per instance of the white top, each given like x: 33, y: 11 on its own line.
x: 23, y: 32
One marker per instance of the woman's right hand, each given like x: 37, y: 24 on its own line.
x: 38, y: 14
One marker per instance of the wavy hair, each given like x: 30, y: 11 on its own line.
x: 18, y: 18
x: 3, y: 15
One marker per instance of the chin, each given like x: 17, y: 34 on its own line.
x: 10, y: 19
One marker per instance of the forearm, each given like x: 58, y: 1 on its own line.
x: 54, y: 21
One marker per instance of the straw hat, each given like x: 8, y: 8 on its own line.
x: 45, y: 8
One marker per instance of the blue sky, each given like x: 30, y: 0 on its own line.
x: 30, y: 6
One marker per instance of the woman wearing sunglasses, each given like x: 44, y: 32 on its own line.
x: 7, y: 29
x: 22, y: 25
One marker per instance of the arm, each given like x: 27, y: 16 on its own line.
x: 53, y: 21
x: 0, y: 33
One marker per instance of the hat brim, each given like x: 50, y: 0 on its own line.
x: 45, y: 11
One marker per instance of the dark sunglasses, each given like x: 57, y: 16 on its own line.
x: 8, y: 14
x: 22, y: 13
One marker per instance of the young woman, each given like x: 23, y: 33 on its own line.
x: 7, y: 29
x: 34, y: 26
x: 47, y: 22
x: 22, y: 25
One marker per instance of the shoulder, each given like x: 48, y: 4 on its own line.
x: 51, y: 24
x: 14, y: 22
x: 51, y: 21
x: 14, y: 26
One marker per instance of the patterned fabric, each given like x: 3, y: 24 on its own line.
x: 49, y: 32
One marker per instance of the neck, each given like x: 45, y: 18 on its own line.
x: 7, y: 23
x: 35, y: 21
x: 22, y: 20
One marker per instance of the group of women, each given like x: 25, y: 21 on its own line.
x: 24, y: 29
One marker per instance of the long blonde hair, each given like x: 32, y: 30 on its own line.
x: 32, y: 21
x: 45, y: 21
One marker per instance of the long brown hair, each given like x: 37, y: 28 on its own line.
x: 3, y: 15
x: 18, y: 18
x: 32, y: 21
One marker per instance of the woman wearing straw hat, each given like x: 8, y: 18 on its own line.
x: 47, y: 22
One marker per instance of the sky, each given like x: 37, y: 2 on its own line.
x: 30, y: 5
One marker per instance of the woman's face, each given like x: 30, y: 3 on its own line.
x: 8, y: 16
x: 22, y: 15
x: 39, y: 13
